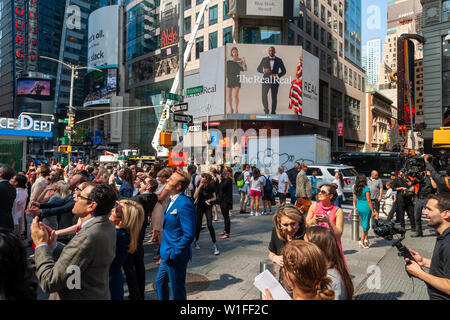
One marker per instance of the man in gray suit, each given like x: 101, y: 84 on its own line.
x: 303, y: 185
x: 79, y: 270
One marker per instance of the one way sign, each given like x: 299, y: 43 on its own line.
x: 179, y: 107
x: 185, y: 118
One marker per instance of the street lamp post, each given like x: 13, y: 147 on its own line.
x: 73, y: 68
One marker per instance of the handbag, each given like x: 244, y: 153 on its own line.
x: 303, y: 205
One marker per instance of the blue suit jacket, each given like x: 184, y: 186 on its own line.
x: 178, y: 230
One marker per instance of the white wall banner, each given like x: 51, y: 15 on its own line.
x: 116, y: 119
x: 271, y: 8
x: 103, y: 41
x: 211, y: 76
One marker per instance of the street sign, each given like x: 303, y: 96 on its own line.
x: 171, y: 96
x: 63, y: 120
x: 194, y: 90
x: 179, y: 107
x: 97, y: 140
x: 185, y: 118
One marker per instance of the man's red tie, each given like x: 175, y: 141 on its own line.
x: 78, y: 228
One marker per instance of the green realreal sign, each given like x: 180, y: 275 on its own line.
x: 170, y: 96
x: 194, y: 90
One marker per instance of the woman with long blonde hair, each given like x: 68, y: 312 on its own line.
x: 128, y: 217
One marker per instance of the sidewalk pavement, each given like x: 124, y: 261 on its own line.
x: 230, y: 275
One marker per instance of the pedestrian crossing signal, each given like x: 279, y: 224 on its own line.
x: 64, y: 149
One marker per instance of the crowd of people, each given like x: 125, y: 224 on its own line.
x: 91, y: 221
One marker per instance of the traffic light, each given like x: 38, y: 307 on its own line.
x: 164, y: 114
x: 71, y: 122
x: 165, y: 139
x: 403, y: 131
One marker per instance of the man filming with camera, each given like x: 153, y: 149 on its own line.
x: 405, y: 199
x: 443, y: 182
x: 437, y: 280
x: 424, y: 186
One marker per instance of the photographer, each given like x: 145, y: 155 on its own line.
x: 424, y: 187
x: 443, y: 183
x: 405, y: 199
x: 438, y: 279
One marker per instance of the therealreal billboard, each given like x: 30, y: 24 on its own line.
x: 271, y: 79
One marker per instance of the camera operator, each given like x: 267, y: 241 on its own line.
x: 405, y: 199
x: 437, y: 280
x: 424, y: 186
x: 443, y: 183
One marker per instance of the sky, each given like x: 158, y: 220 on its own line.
x: 373, y: 20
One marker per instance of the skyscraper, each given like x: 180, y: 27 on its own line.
x: 373, y: 60
x: 352, y: 30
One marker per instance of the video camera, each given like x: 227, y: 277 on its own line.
x: 387, y: 231
x: 415, y: 167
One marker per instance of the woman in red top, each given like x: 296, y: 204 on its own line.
x: 326, y: 214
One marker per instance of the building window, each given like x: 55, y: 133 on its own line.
x: 227, y: 35
x: 323, y: 40
x: 323, y: 61
x: 212, y: 40
x: 199, y: 47
x: 329, y: 64
x: 340, y: 29
x: 329, y: 41
x: 350, y: 77
x: 201, y: 22
x: 341, y: 50
x: 345, y: 74
x: 335, y: 25
x: 323, y: 101
x: 316, y: 31
x: 187, y: 25
x: 299, y: 40
x: 352, y: 113
x: 261, y: 35
x: 308, y: 25
x: 308, y: 4
x: 316, y: 7
x: 316, y: 51
x: 291, y: 37
x: 359, y: 82
x: 322, y: 13
x: 340, y: 76
x: 187, y: 4
x: 329, y: 19
x: 226, y: 10
x: 213, y: 15
x: 199, y: 1
x: 308, y: 46
x: 445, y: 10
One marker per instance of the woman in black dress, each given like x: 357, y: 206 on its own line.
x: 226, y: 199
x: 205, y: 196
x: 234, y: 68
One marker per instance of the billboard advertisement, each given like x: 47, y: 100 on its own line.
x: 35, y: 88
x: 211, y: 77
x: 271, y: 80
x: 100, y: 86
x: 103, y: 41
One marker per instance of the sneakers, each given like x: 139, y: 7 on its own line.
x: 252, y: 213
x: 196, y: 245
x: 215, y: 250
x: 361, y: 245
x: 257, y: 214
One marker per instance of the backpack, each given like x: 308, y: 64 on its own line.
x: 240, y: 180
x: 267, y: 185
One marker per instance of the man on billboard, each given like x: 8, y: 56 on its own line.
x: 37, y: 88
x: 273, y: 68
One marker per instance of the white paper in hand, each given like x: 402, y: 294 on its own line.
x: 267, y: 280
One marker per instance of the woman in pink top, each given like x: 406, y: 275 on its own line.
x: 326, y: 214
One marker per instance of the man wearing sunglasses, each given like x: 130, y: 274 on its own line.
x: 79, y: 270
x: 62, y: 208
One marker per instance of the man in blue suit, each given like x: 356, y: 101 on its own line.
x: 273, y: 69
x: 177, y: 237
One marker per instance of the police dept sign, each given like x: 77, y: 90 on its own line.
x: 25, y: 125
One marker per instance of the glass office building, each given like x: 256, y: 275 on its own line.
x: 353, y: 31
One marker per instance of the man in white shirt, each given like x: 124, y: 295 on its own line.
x: 40, y: 184
x: 20, y: 183
x: 283, y: 183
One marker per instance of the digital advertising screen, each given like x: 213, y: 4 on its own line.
x: 100, y: 86
x: 33, y: 88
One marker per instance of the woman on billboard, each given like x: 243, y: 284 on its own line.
x: 234, y: 68
x: 296, y: 91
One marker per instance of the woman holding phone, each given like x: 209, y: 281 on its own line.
x: 204, y: 197
x: 326, y: 214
